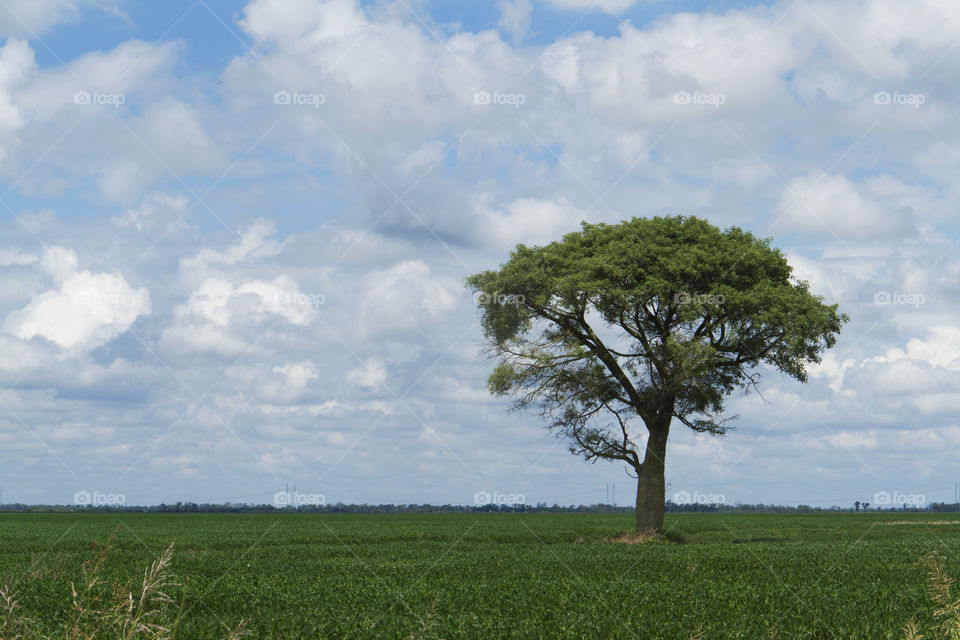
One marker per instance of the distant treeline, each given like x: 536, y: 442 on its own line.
x: 192, y: 507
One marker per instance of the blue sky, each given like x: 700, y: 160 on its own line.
x: 233, y: 236
x: 213, y: 38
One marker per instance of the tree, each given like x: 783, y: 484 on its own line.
x: 651, y: 320
x: 856, y: 505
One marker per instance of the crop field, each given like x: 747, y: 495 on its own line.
x: 294, y: 575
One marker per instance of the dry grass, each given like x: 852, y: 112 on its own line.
x: 947, y: 612
x: 12, y: 623
x: 428, y: 622
x: 912, y: 631
x: 632, y: 537
x: 940, y: 587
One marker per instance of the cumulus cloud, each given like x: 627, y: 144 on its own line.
x: 832, y: 204
x: 301, y: 20
x: 9, y: 257
x: 293, y: 380
x: 833, y: 371
x: 124, y: 131
x: 406, y: 296
x: 939, y: 348
x: 175, y: 131
x: 59, y: 262
x: 86, y: 311
x: 16, y: 66
x: 254, y: 242
x: 515, y: 17
x: 371, y: 375
x: 228, y: 319
x: 157, y: 209
x: 168, y: 134
x: 530, y: 221
x: 132, y: 69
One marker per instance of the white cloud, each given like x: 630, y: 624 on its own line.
x: 294, y: 379
x: 253, y: 243
x: 156, y: 209
x: 133, y: 69
x: 16, y: 66
x: 515, y: 17
x: 169, y: 134
x: 833, y: 370
x: 852, y: 440
x: 371, y: 375
x: 88, y: 310
x: 175, y: 132
x: 832, y: 204
x: 301, y: 22
x: 224, y: 318
x: 531, y: 221
x: 10, y: 257
x: 59, y: 262
x: 406, y: 296
x: 940, y: 348
x: 124, y: 132
x: 17, y: 355
x: 313, y: 410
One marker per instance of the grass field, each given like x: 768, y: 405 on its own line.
x: 492, y: 575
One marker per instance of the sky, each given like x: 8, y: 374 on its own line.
x: 234, y: 237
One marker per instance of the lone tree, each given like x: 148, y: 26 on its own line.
x: 656, y: 319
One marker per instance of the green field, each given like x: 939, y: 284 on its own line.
x: 495, y: 575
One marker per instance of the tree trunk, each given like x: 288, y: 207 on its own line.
x: 651, y: 485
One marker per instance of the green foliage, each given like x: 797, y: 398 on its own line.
x: 659, y: 318
x: 301, y: 576
x: 502, y: 379
x: 675, y: 536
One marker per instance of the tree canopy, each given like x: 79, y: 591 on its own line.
x: 655, y: 319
